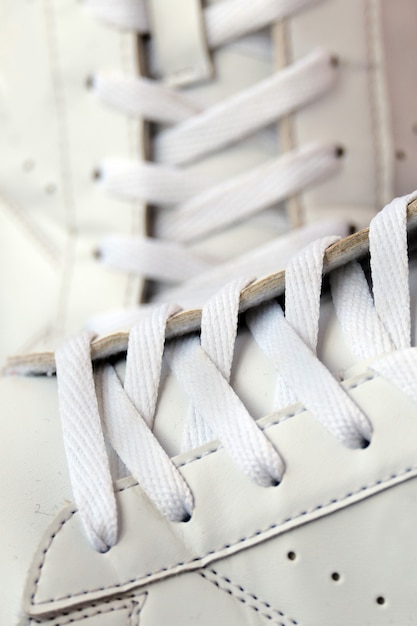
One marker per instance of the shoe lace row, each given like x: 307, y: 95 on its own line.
x: 99, y: 411
x: 189, y: 206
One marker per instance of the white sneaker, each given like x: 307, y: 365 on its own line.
x: 73, y: 181
x: 268, y: 480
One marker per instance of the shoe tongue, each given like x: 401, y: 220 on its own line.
x: 374, y: 93
x: 224, y: 72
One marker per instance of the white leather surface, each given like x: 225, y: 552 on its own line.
x: 355, y: 115
x: 398, y: 29
x: 233, y: 516
x: 33, y: 468
x: 126, y: 611
x: 229, y: 508
x: 53, y: 135
x: 364, y: 545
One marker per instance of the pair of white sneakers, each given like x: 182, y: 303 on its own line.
x: 239, y: 463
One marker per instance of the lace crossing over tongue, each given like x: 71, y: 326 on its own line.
x: 203, y: 369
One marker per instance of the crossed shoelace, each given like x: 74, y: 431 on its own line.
x: 190, y: 206
x: 123, y: 413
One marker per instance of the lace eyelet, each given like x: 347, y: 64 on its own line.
x: 89, y: 82
x: 97, y: 174
x: 275, y: 482
x: 108, y: 548
x: 187, y: 518
x: 339, y: 152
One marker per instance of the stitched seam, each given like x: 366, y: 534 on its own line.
x: 71, y: 617
x: 281, y: 418
x: 268, y: 611
x: 257, y: 533
x: 61, y: 111
x: 131, y: 295
x: 71, y: 513
x: 65, y: 167
x: 370, y: 33
x: 45, y: 244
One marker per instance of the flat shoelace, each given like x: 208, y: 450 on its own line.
x: 377, y: 327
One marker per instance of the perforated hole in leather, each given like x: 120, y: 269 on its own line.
x: 96, y: 174
x: 50, y: 188
x: 89, y: 81
x: 28, y: 165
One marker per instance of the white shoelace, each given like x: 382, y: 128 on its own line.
x: 190, y: 206
x: 377, y: 327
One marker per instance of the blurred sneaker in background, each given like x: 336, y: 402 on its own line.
x: 152, y: 151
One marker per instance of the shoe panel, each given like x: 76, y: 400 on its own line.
x: 28, y: 287
x: 355, y: 114
x: 355, y: 566
x: 400, y: 45
x: 233, y: 516
x: 54, y: 133
x: 35, y: 481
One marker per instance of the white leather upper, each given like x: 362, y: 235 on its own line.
x: 338, y: 510
x: 53, y: 136
x: 240, y: 534
x: 370, y: 113
x: 355, y: 114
